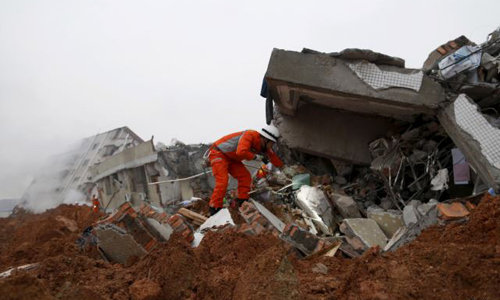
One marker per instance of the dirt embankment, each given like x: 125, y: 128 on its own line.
x: 457, y: 261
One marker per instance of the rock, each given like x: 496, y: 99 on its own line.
x: 320, y: 268
x: 144, y: 289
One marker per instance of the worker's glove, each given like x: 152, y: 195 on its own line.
x: 261, y: 158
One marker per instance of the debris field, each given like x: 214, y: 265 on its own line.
x: 455, y: 261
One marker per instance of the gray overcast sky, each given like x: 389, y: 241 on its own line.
x: 186, y: 69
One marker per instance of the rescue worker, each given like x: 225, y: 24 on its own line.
x: 226, y: 155
x: 95, y: 204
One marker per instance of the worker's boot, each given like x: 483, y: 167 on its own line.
x: 239, y: 202
x: 213, y: 210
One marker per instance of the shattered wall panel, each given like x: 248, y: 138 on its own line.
x: 474, y: 123
x: 478, y: 140
x: 378, y: 79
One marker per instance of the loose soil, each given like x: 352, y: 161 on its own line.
x: 455, y: 261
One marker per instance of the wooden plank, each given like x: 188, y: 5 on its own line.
x: 192, y: 215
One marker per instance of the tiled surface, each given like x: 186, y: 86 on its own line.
x: 473, y: 122
x: 379, y: 79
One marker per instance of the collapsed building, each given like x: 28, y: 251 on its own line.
x: 66, y: 176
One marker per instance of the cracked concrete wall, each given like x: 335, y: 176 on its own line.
x: 478, y: 140
x: 331, y: 133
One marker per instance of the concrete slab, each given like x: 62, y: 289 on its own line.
x: 478, y: 140
x: 117, y: 244
x: 295, y: 77
x: 366, y: 230
x: 315, y: 204
x: 389, y: 221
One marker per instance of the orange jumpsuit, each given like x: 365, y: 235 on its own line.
x: 225, y: 157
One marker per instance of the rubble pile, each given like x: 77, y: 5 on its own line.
x: 459, y: 260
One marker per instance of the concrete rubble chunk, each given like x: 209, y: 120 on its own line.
x: 408, y: 234
x: 425, y: 207
x: 314, y: 202
x: 117, y: 245
x: 478, y: 140
x: 390, y: 221
x: 366, y: 230
x: 410, y: 213
x: 346, y: 206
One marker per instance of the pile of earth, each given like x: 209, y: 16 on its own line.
x: 456, y: 261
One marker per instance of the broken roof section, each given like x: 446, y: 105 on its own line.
x: 360, y: 81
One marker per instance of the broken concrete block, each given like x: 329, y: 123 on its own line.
x: 314, y: 202
x: 164, y: 230
x: 116, y: 244
x: 410, y: 215
x: 425, y: 207
x: 389, y: 221
x: 452, y: 211
x: 367, y: 230
x: 303, y: 240
x: 346, y: 206
x: 406, y: 235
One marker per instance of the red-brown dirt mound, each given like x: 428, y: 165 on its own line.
x: 456, y: 261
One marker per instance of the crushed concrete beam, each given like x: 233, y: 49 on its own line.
x: 478, y: 140
x: 319, y: 78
